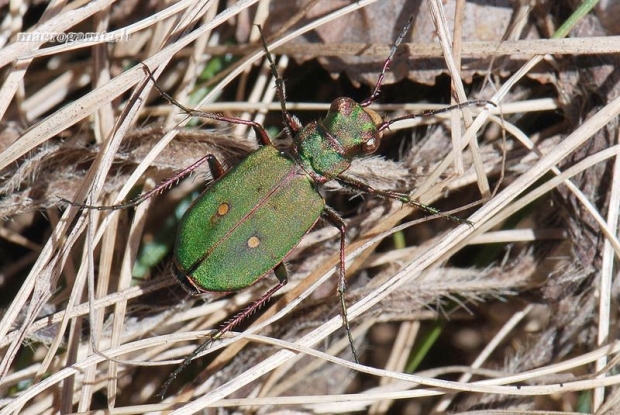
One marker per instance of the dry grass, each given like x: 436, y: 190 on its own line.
x: 518, y: 311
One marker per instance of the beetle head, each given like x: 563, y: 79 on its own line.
x: 353, y: 126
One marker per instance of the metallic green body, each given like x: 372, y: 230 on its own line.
x: 246, y: 223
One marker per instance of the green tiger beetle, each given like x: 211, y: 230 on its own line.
x: 246, y: 223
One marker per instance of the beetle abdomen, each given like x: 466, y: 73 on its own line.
x: 246, y: 223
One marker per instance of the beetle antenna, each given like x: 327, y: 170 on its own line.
x: 474, y: 103
x: 287, y: 118
x: 386, y: 65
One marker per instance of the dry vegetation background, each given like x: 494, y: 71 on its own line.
x: 517, y: 313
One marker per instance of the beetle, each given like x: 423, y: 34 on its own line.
x: 226, y: 243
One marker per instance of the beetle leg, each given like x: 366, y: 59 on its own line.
x: 281, y: 274
x: 214, y: 165
x: 217, y: 170
x: 335, y: 220
x: 355, y: 184
x: 261, y: 134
